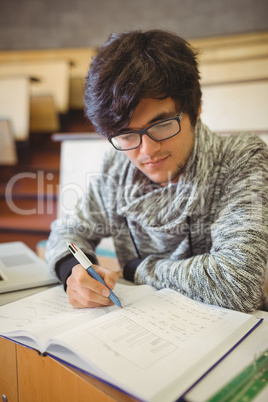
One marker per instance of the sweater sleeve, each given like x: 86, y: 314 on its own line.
x: 85, y: 226
x: 64, y: 268
x: 232, y: 274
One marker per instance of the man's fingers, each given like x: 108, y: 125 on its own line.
x: 78, y: 301
x: 84, y: 291
x: 82, y: 279
x: 109, y: 277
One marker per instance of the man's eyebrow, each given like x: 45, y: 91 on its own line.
x: 159, y: 117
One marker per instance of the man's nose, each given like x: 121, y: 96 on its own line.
x: 149, y: 146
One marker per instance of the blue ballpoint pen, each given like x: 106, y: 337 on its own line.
x: 87, y: 264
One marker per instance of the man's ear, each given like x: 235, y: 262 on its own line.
x: 199, y: 111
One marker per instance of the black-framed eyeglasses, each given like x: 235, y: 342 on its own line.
x: 163, y: 130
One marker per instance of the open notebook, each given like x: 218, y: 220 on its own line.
x: 21, y: 268
x: 156, y: 348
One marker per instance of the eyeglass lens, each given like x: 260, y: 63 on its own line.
x: 159, y: 132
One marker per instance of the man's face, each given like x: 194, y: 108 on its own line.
x: 162, y: 162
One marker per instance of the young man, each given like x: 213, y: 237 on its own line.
x: 186, y: 209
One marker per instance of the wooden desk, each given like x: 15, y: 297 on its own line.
x: 78, y: 59
x: 232, y: 47
x: 8, y: 370
x: 15, y: 104
x: 27, y: 376
x: 8, y: 153
x: 234, y: 73
x: 51, y: 78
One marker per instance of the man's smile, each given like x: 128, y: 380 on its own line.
x: 155, y: 163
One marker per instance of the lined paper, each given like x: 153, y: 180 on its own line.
x: 156, y: 343
x: 154, y: 348
x: 47, y: 314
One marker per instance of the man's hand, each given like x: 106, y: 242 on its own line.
x: 84, y: 291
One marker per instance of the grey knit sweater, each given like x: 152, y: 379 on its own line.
x: 205, y: 236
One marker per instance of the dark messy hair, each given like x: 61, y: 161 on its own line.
x: 140, y: 64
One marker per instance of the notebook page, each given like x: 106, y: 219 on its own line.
x: 234, y: 363
x: 47, y: 314
x: 150, y: 345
